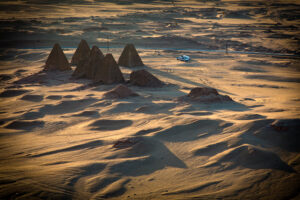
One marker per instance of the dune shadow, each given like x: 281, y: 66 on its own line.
x: 108, y: 125
x: 33, y: 98
x: 85, y: 146
x: 250, y: 157
x: 192, y: 131
x: 66, y: 106
x: 12, y: 93
x: 25, y: 125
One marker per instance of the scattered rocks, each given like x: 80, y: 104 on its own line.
x: 130, y: 57
x: 57, y: 60
x: 125, y: 143
x: 120, y: 91
x: 144, y: 78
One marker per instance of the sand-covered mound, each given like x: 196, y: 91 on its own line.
x: 205, y: 94
x: 144, y: 78
x: 120, y: 91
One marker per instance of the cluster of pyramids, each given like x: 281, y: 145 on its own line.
x: 92, y: 64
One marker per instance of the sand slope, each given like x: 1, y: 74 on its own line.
x: 61, y: 138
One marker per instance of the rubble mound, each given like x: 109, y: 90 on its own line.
x: 120, y: 91
x: 144, y: 78
x: 205, y: 94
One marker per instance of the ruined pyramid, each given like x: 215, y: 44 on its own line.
x: 82, y: 52
x: 57, y: 60
x: 130, y: 57
x: 87, y: 67
x: 109, y: 71
x: 94, y: 62
x: 80, y: 70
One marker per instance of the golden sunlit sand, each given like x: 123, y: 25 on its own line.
x: 66, y: 136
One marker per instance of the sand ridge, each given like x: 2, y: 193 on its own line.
x: 61, y: 138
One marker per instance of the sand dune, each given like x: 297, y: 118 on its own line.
x: 69, y: 138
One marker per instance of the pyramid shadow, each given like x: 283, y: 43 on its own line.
x: 144, y: 157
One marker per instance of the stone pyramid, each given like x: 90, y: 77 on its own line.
x: 81, y: 69
x: 109, y: 71
x: 82, y: 52
x: 130, y: 57
x: 87, y: 67
x: 57, y: 60
x: 95, y: 59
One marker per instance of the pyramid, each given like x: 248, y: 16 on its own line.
x: 109, y: 71
x: 82, y: 52
x: 94, y: 62
x: 81, y: 69
x: 130, y: 57
x: 87, y: 67
x: 57, y: 60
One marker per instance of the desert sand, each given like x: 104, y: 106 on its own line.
x: 74, y: 138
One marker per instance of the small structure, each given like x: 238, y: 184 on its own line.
x: 144, y: 78
x: 57, y: 60
x: 82, y: 53
x: 109, y: 71
x: 130, y: 57
x: 205, y: 94
x: 120, y: 91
